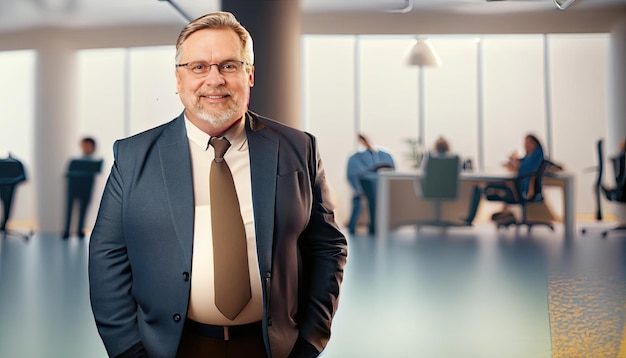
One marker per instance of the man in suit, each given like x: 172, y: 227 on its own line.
x: 151, y: 252
x: 80, y: 175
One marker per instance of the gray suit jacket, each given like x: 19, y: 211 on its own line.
x: 141, y: 246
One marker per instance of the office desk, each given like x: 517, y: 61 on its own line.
x: 398, y: 204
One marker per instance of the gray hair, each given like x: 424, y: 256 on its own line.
x: 218, y: 20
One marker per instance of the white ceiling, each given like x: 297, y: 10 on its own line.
x: 26, y: 14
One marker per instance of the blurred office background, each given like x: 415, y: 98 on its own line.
x: 515, y: 68
x: 566, y: 86
x: 490, y: 92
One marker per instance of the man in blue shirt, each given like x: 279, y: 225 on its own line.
x: 362, y: 175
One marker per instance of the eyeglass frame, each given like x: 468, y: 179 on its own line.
x: 209, y: 65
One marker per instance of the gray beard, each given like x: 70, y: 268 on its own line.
x: 217, y: 121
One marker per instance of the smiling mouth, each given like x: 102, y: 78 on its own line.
x: 215, y: 96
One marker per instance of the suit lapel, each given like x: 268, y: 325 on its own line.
x: 173, y: 149
x: 263, y: 149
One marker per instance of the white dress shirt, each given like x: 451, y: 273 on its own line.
x: 202, y: 300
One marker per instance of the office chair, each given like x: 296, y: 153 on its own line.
x: 440, y: 182
x: 11, y: 173
x: 616, y: 194
x: 503, y: 193
x: 598, y: 184
x: 619, y: 169
x: 599, y: 169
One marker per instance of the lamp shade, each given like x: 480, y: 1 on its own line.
x: 563, y: 4
x: 422, y: 53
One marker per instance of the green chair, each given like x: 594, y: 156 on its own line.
x: 439, y: 183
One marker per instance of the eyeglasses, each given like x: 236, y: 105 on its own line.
x: 201, y: 68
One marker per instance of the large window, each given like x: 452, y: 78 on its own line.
x: 451, y: 96
x: 328, y: 77
x: 123, y: 92
x: 102, y: 96
x: 387, y: 95
x: 152, y: 87
x: 489, y: 93
x: 514, y: 95
x: 579, y: 102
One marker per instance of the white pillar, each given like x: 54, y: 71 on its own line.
x: 56, y: 132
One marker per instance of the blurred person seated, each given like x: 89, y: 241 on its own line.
x: 441, y: 146
x: 524, y: 166
x: 362, y: 176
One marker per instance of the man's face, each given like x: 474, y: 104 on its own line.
x: 214, y: 101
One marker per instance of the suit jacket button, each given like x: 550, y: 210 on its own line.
x: 176, y: 317
x: 186, y: 276
x: 269, y: 322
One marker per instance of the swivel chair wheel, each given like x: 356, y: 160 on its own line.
x: 505, y: 222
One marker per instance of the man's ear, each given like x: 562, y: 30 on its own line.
x: 251, y: 76
x: 178, y: 84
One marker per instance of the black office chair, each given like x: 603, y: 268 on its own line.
x: 599, y: 170
x: 440, y: 182
x: 600, y: 173
x: 616, y: 194
x: 11, y: 174
x: 503, y: 193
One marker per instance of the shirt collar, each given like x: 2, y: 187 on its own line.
x: 235, y: 134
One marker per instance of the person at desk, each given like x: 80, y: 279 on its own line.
x: 80, y: 178
x: 361, y: 174
x: 526, y: 165
x: 216, y: 235
x: 441, y: 146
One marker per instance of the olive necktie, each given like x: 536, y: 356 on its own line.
x: 232, y: 278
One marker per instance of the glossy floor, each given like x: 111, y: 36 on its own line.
x: 467, y: 292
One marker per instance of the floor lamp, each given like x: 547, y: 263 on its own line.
x: 422, y: 54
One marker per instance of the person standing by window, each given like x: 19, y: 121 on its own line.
x: 80, y: 175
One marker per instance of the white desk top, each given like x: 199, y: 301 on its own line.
x: 483, y: 175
